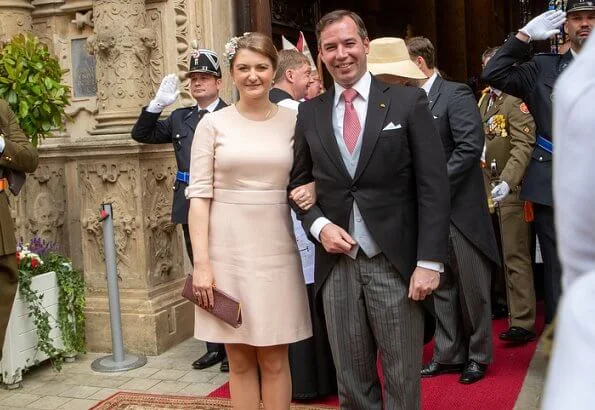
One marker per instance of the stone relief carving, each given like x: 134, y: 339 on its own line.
x: 122, y: 47
x: 115, y: 184
x: 182, y: 45
x: 154, y: 43
x: 13, y: 22
x: 41, y: 208
x: 83, y: 19
x: 163, y: 235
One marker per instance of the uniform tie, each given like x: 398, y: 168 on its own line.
x: 493, y: 97
x: 201, y: 113
x: 351, y: 125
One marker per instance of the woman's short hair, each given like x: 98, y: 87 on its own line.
x: 259, y: 43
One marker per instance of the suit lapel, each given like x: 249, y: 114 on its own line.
x: 191, y: 119
x: 324, y: 127
x: 378, y: 106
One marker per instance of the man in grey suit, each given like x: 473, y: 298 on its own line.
x: 381, y: 219
x: 463, y: 308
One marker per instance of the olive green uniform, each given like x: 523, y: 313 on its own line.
x: 18, y: 155
x: 510, y: 147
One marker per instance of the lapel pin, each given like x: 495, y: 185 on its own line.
x: 382, y: 105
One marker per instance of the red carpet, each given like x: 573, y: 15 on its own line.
x: 497, y: 391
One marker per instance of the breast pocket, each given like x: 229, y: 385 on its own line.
x: 391, y: 141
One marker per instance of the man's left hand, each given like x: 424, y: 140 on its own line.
x: 423, y: 282
x: 500, y: 191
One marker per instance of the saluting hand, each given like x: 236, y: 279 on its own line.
x: 166, y: 94
x: 545, y: 25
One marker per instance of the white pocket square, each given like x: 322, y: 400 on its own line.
x: 391, y: 126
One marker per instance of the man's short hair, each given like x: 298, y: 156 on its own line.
x: 289, y: 60
x: 336, y: 15
x: 489, y: 53
x: 422, y: 47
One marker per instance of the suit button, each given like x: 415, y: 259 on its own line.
x: 353, y: 188
x: 541, y: 158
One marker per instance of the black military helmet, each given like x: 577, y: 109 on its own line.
x: 580, y: 5
x: 203, y: 60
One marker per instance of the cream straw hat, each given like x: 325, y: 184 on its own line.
x: 389, y: 55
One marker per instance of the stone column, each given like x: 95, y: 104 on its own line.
x: 122, y: 45
x: 15, y: 18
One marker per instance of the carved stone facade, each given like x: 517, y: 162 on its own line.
x: 116, y: 52
x: 15, y: 18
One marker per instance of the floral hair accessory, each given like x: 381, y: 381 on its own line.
x: 231, y: 47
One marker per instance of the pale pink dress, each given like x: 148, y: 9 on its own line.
x: 244, y: 166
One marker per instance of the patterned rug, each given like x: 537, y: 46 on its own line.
x: 142, y: 401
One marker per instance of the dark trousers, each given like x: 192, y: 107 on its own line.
x: 463, y: 308
x: 211, y: 347
x: 8, y: 290
x: 552, y: 271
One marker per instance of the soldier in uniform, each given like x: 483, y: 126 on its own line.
x: 532, y: 79
x: 510, y: 137
x: 178, y: 128
x: 16, y: 154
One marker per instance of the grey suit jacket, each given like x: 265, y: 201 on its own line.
x: 459, y: 123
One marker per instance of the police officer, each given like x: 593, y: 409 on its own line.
x: 17, y: 155
x: 205, y: 82
x: 512, y: 71
x: 510, y: 137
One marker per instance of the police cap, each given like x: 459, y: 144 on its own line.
x: 580, y: 5
x: 206, y: 61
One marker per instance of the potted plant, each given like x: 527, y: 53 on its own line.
x: 30, y: 82
x: 47, y: 319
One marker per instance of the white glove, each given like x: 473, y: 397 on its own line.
x: 500, y: 191
x: 166, y: 94
x: 545, y: 25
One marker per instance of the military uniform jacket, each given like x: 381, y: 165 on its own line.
x: 510, y: 136
x: 18, y: 155
x: 177, y: 129
x: 457, y: 118
x: 531, y: 80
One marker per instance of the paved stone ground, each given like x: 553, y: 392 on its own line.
x: 78, y: 387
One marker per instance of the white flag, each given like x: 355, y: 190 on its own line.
x: 287, y: 45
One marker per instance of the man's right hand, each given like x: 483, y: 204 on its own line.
x: 166, y: 94
x: 335, y: 239
x: 543, y: 26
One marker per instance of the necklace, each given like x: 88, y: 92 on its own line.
x: 266, y: 117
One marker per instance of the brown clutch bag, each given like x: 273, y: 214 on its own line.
x: 225, y: 307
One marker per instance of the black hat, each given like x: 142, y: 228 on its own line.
x: 204, y: 61
x: 580, y: 5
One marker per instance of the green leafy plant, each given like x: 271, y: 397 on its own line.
x: 37, y: 258
x: 30, y: 81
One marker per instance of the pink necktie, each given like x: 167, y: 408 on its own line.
x: 351, y: 125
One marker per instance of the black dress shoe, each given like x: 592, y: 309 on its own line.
x: 473, y: 372
x: 435, y: 368
x: 224, y: 365
x: 207, y: 360
x: 518, y: 335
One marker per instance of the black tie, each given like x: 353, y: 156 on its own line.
x: 201, y: 113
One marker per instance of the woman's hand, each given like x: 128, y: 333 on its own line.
x: 304, y: 195
x: 202, y: 285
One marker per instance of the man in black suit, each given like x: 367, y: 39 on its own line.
x: 381, y: 219
x: 463, y: 308
x: 205, y: 82
x: 512, y: 71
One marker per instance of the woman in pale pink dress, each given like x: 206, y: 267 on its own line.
x: 241, y: 230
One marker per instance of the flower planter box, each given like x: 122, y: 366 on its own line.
x: 20, y: 345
